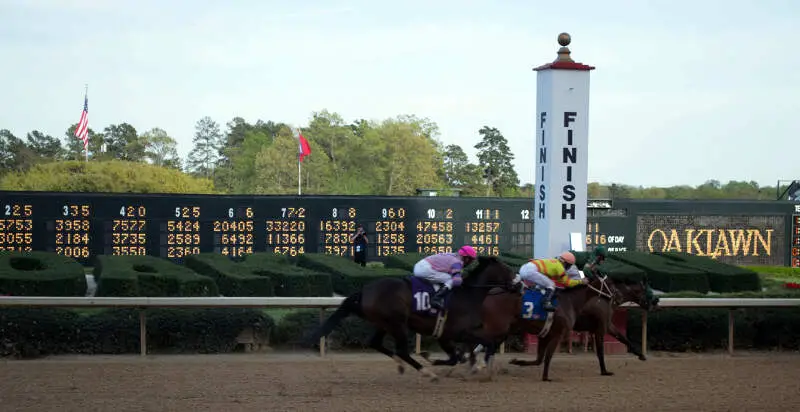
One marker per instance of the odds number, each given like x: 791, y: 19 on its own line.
x: 187, y: 212
x: 392, y: 213
x: 248, y: 212
x: 422, y: 300
x: 351, y: 213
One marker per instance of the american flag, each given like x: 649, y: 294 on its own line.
x: 82, y: 131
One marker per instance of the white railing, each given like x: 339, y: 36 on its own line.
x: 323, y: 303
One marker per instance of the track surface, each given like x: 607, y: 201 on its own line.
x: 350, y: 382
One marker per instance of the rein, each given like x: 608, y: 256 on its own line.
x: 605, y: 290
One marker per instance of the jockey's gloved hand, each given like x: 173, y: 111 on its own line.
x: 517, y: 279
x: 457, y: 279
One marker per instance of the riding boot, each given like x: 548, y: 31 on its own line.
x: 437, y: 302
x: 547, y: 301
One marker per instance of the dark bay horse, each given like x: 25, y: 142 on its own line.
x: 555, y: 327
x: 595, y: 318
x: 389, y: 305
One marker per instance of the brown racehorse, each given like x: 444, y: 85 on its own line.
x: 596, y: 316
x: 387, y: 305
x: 571, y: 302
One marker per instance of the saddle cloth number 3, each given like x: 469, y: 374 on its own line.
x: 422, y: 300
x: 529, y: 307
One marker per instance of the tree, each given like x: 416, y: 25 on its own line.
x: 123, y: 143
x: 410, y: 159
x: 207, y: 143
x: 105, y: 176
x: 46, y: 147
x: 275, y: 168
x: 494, y: 158
x: 161, y: 149
x: 15, y: 154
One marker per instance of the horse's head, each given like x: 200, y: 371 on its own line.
x: 489, y: 271
x: 601, y: 285
x: 638, y: 292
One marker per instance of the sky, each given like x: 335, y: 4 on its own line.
x: 683, y: 91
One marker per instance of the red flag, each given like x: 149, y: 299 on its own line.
x: 303, y: 148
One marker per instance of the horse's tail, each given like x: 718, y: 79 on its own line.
x: 350, y: 306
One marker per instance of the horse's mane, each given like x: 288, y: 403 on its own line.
x: 482, y: 263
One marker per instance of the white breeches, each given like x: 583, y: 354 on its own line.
x: 530, y: 273
x: 424, y: 270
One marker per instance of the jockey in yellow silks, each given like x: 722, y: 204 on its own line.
x: 549, y: 274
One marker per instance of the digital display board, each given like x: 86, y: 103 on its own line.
x: 84, y: 225
x: 735, y: 239
x: 172, y: 226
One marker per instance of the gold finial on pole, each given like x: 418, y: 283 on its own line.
x: 564, y: 40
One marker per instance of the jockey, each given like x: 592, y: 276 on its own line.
x: 549, y: 273
x: 598, y: 257
x: 444, y: 269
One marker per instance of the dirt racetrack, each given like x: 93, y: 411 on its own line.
x: 369, y: 382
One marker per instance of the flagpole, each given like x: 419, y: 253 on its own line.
x: 86, y: 146
x: 299, y: 168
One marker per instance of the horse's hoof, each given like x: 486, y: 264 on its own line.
x: 546, y: 380
x: 427, y: 372
x: 425, y: 355
x: 536, y: 363
x: 642, y: 358
x: 400, y: 369
x: 607, y: 373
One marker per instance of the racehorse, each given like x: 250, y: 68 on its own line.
x: 551, y: 327
x: 395, y: 305
x: 596, y: 316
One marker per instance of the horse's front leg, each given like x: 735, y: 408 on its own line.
x: 613, y: 331
x: 454, y: 357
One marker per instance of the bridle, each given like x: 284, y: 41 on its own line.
x: 605, y: 290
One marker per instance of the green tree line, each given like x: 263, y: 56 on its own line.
x: 393, y: 157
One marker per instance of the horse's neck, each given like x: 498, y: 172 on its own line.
x: 579, y: 297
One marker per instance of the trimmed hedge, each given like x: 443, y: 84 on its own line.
x: 148, y: 276
x: 662, y: 275
x: 29, y: 333
x: 705, y: 329
x: 405, y: 262
x: 722, y: 277
x: 289, y: 280
x: 232, y: 278
x: 260, y: 274
x: 346, y: 277
x: 40, y: 274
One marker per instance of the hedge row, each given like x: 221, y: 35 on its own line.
x: 30, y: 332
x: 266, y: 274
x: 346, y: 277
x: 673, y: 272
x: 33, y: 332
x: 148, y: 276
x: 40, y: 274
x: 261, y: 274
